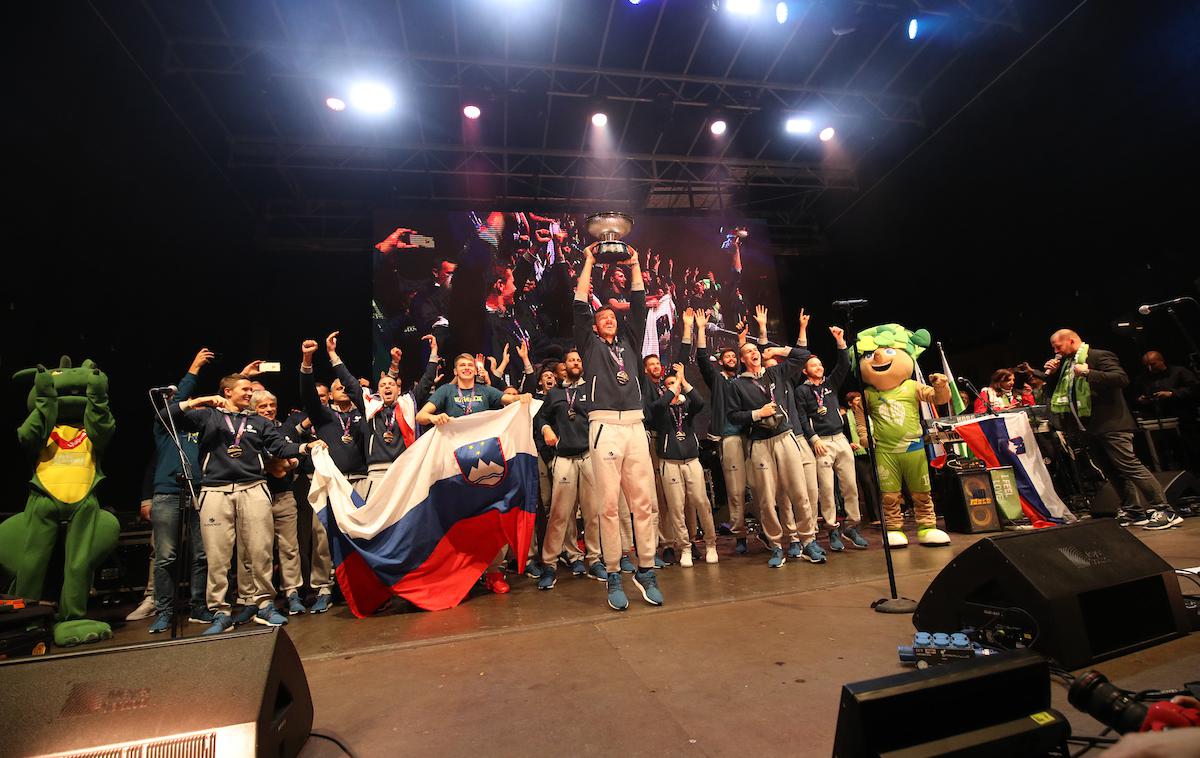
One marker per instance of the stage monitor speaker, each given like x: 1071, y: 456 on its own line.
x: 968, y: 502
x: 233, y: 694
x: 1176, y: 484
x: 1091, y: 590
x: 903, y: 712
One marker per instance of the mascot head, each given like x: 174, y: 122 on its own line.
x: 888, y: 354
x: 70, y: 384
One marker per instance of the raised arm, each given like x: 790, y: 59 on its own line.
x: 98, y: 420
x: 581, y: 307
x: 841, y: 369
x: 41, y: 420
x: 802, y: 339
x: 308, y: 383
x: 635, y: 321
x: 343, y: 373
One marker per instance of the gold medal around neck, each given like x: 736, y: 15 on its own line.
x: 389, y: 438
x: 347, y: 439
x: 681, y: 436
x: 622, y: 378
x: 234, y: 451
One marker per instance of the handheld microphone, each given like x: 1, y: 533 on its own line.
x: 847, y: 304
x: 166, y: 391
x: 1145, y: 310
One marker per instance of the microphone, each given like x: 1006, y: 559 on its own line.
x: 848, y: 304
x: 967, y: 383
x: 1146, y: 309
x: 166, y: 391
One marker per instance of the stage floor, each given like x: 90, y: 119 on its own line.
x: 741, y: 659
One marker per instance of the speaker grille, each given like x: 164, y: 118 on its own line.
x: 189, y: 746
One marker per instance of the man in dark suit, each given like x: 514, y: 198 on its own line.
x: 1087, y: 399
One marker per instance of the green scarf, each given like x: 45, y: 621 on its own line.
x: 1060, y: 401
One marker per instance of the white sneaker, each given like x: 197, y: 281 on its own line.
x: 710, y: 554
x: 685, y: 557
x: 144, y: 611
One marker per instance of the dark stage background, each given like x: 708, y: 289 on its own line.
x: 1063, y: 196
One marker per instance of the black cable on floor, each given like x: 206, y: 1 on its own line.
x: 334, y: 739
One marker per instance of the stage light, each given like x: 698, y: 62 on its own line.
x: 634, y: 2
x: 599, y: 119
x: 372, y: 97
x: 743, y: 7
x: 798, y: 125
x: 471, y: 111
x: 826, y: 134
x: 912, y: 28
x: 718, y: 127
x: 781, y: 12
x: 335, y: 104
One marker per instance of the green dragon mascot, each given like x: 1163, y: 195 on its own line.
x: 887, y: 359
x: 68, y: 429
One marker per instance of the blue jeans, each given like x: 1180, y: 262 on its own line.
x: 164, y: 520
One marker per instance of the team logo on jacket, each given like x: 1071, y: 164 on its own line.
x: 482, y: 463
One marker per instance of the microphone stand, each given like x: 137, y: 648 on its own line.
x: 1194, y: 354
x: 185, y: 477
x: 894, y: 603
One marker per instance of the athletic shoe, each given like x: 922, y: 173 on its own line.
x: 295, y: 604
x: 762, y: 537
x: 321, y: 604
x: 221, y: 623
x: 668, y: 555
x: 855, y: 539
x: 777, y: 558
x: 626, y: 565
x: 647, y: 582
x: 494, y: 581
x: 1128, y: 518
x: 144, y: 610
x: 813, y: 553
x: 739, y: 546
x: 268, y: 616
x: 598, y: 572
x: 793, y: 550
x: 547, y: 579
x: 578, y: 568
x: 1160, y: 520
x: 162, y: 623
x: 245, y: 615
x: 616, y: 596
x: 835, y: 541
x: 533, y: 570
x: 200, y: 616
x: 697, y: 554
x: 659, y: 563
x: 685, y: 558
x: 710, y: 554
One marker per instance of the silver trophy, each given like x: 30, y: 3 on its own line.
x: 609, y: 227
x: 731, y: 233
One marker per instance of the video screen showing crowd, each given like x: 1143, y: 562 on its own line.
x: 663, y: 413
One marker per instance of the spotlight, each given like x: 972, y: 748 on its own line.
x: 335, y: 104
x: 912, y: 28
x: 634, y: 2
x: 718, y: 127
x: 471, y: 111
x: 798, y: 125
x: 743, y: 7
x: 781, y: 12
x: 826, y: 134
x: 372, y: 98
x: 599, y: 119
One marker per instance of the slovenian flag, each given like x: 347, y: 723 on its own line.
x: 439, y: 516
x: 1007, y: 440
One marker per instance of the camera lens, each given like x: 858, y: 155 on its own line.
x: 1093, y: 694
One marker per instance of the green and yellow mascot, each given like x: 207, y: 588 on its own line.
x: 887, y: 359
x: 67, y: 431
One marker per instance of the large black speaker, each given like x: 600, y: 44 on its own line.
x: 967, y: 501
x: 1092, y: 590
x: 232, y: 694
x: 1176, y: 484
x: 996, y: 705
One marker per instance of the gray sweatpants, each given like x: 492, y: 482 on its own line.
x: 838, y: 459
x: 287, y: 545
x: 733, y: 466
x: 574, y: 486
x: 237, y: 514
x: 687, y: 501
x: 777, y: 467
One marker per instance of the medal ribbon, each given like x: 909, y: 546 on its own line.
x: 237, y: 436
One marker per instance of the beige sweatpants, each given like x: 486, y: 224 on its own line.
x: 791, y: 513
x: 237, y: 514
x: 777, y: 467
x: 620, y: 458
x: 321, y: 573
x: 838, y: 459
x: 687, y: 501
x: 574, y: 486
x: 626, y: 524
x: 660, y: 499
x: 733, y: 466
x: 287, y: 546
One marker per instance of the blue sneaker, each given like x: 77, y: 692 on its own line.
x: 221, y: 623
x: 777, y: 558
x: 659, y: 563
x: 739, y: 546
x: 162, y: 623
x: 626, y: 565
x: 295, y: 605
x: 794, y: 550
x: 616, y: 596
x: 578, y: 568
x: 813, y: 553
x: 533, y: 570
x: 856, y: 539
x: 268, y: 616
x: 322, y: 604
x: 598, y: 572
x: 548, y: 579
x: 647, y: 582
x: 201, y: 616
x: 245, y: 615
x: 835, y: 541
x: 668, y: 555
